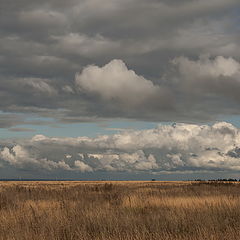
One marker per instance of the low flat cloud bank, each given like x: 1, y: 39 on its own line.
x: 174, y: 148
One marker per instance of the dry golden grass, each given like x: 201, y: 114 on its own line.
x: 119, y: 210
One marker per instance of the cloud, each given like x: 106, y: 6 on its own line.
x: 175, y: 148
x: 19, y: 157
x: 42, y: 18
x: 115, y: 82
x: 83, y: 45
x: 124, y: 161
x: 219, y: 76
x: 9, y: 120
x: 21, y: 130
x: 179, y: 62
x: 67, y: 89
x: 39, y: 85
x: 204, y: 67
x: 68, y: 156
x: 83, y: 167
x: 43, y: 46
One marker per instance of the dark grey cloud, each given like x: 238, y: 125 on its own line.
x: 47, y: 46
x: 9, y: 120
x: 21, y: 129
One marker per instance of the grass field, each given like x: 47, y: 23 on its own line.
x: 119, y: 210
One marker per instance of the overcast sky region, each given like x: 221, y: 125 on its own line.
x: 110, y: 89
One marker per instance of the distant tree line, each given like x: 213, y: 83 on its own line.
x: 219, y: 180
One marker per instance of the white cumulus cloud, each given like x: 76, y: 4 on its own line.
x: 83, y: 167
x: 18, y: 156
x: 205, y: 67
x: 115, y: 82
x: 177, y: 147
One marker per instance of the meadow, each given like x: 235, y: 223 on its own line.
x: 119, y: 210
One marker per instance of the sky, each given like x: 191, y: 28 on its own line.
x: 119, y: 90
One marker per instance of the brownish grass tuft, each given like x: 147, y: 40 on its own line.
x: 119, y: 210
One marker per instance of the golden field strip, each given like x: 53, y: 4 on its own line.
x: 70, y: 210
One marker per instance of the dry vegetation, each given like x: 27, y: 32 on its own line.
x: 119, y: 210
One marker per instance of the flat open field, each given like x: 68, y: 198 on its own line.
x: 119, y: 210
